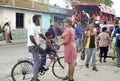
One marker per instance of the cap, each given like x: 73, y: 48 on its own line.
x: 68, y: 20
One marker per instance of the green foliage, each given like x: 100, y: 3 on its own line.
x: 106, y: 2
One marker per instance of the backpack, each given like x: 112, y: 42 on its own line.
x: 118, y: 39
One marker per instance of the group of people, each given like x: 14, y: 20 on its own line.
x: 6, y: 30
x: 33, y: 44
x: 75, y: 40
x: 93, y: 16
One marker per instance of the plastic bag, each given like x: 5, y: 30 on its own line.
x: 76, y: 62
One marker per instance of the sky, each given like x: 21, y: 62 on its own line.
x: 115, y: 5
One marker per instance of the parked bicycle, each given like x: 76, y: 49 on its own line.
x: 23, y: 69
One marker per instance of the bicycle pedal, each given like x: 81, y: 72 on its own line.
x: 46, y: 69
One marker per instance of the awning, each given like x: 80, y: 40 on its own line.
x: 85, y: 4
x: 58, y: 18
x: 102, y: 7
x: 107, y: 9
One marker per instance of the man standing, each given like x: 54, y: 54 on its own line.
x: 90, y: 44
x: 33, y: 45
x: 79, y: 32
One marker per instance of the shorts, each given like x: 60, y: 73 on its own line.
x: 50, y: 51
x: 113, y: 46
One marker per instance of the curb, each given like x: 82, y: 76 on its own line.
x: 18, y: 41
x: 12, y: 43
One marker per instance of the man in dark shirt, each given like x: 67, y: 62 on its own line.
x: 52, y: 30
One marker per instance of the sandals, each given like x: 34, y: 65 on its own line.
x: 65, y: 78
x: 71, y: 80
x: 34, y: 79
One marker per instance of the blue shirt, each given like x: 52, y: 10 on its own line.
x: 115, y: 31
x: 78, y: 30
x: 51, y: 29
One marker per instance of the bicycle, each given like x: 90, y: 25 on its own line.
x: 26, y: 68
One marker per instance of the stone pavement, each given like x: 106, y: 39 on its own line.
x: 107, y: 71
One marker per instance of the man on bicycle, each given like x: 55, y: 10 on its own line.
x: 33, y: 45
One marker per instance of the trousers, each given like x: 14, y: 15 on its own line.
x: 39, y: 59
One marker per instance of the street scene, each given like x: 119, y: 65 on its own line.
x: 107, y: 71
x: 59, y: 40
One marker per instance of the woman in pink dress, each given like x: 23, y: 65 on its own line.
x: 70, y: 51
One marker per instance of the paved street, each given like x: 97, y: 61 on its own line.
x: 11, y: 53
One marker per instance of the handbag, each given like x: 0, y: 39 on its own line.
x: 83, y: 55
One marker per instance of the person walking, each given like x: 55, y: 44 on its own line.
x: 33, y: 45
x: 113, y: 36
x: 104, y: 42
x: 7, y: 30
x: 90, y: 45
x: 118, y: 47
x: 70, y: 50
x: 53, y: 31
x: 79, y: 33
x: 117, y: 44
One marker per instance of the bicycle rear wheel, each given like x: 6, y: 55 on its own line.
x: 60, y: 69
x: 22, y: 71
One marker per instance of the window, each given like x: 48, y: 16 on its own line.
x: 19, y: 20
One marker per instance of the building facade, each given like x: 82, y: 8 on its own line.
x: 19, y: 13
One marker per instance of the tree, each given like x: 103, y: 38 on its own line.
x: 106, y: 2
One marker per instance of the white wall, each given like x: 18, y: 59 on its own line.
x: 9, y: 14
x: 1, y: 16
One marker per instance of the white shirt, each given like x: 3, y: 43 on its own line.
x: 7, y: 29
x: 34, y: 31
x: 104, y: 26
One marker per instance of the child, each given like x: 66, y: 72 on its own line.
x: 50, y: 46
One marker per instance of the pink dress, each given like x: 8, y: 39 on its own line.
x: 70, y: 51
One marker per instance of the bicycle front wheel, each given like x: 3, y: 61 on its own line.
x: 60, y: 68
x: 22, y: 71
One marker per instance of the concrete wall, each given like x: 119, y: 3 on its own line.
x: 1, y: 17
x: 11, y: 16
x: 19, y: 33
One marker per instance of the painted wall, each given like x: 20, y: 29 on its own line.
x: 45, y: 22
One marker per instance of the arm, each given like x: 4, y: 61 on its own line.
x: 66, y: 40
x: 97, y: 42
x: 85, y: 40
x: 36, y: 48
x: 4, y: 28
x: 109, y: 41
x: 42, y: 36
x: 33, y: 40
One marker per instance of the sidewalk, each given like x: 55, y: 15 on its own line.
x: 16, y: 41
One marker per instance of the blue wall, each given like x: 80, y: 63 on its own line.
x: 45, y: 22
